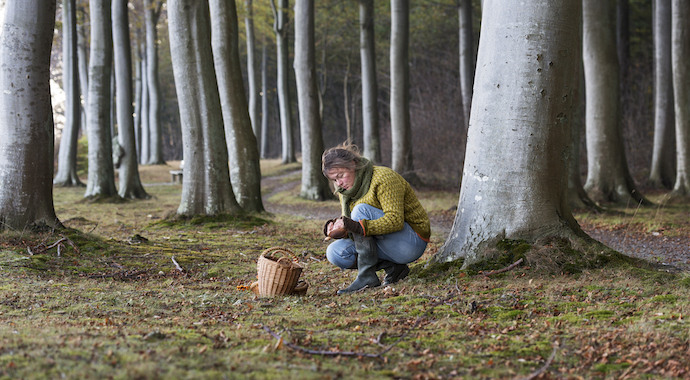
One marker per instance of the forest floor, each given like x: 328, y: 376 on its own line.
x: 130, y: 291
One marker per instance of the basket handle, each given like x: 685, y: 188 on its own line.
x: 281, y: 250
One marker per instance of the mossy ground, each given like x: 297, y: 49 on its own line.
x: 117, y: 307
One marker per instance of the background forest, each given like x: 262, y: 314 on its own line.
x: 435, y: 97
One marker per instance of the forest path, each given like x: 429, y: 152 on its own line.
x: 673, y: 251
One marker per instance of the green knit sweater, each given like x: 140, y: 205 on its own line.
x: 390, y: 193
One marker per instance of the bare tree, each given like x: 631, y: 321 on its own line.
x: 663, y: 169
x: 515, y: 176
x: 245, y: 172
x: 370, y: 91
x: 264, y: 102
x: 466, y: 56
x: 26, y: 118
x: 253, y: 95
x: 130, y: 184
x: 608, y: 176
x: 681, y: 83
x: 67, y: 155
x: 152, y: 11
x: 101, y: 182
x: 206, y: 188
x: 314, y: 184
x: 280, y: 26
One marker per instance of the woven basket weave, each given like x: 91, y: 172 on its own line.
x: 278, y: 270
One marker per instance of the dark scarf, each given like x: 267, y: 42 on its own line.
x: 359, y: 188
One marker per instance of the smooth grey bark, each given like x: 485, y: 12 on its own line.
x: 253, y: 87
x: 152, y: 12
x: 82, y: 55
x: 663, y: 168
x: 370, y: 91
x: 67, y: 155
x: 137, y: 98
x: 101, y: 182
x: 206, y: 188
x: 314, y: 184
x: 264, y: 102
x: 608, y: 176
x: 623, y: 36
x: 145, y: 133
x: 130, y: 183
x: 514, y: 182
x: 401, y: 131
x: 113, y: 117
x: 680, y: 58
x: 466, y: 56
x: 280, y: 27
x: 26, y: 117
x: 245, y: 172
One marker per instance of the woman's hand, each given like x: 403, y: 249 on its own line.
x: 335, y: 229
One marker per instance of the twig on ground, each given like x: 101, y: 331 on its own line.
x: 176, y: 264
x: 509, y: 267
x: 545, y: 366
x: 122, y: 274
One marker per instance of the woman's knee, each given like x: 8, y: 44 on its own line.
x: 340, y: 257
x: 366, y: 211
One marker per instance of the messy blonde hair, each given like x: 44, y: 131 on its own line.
x: 345, y: 155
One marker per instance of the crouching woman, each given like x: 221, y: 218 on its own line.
x: 387, y: 226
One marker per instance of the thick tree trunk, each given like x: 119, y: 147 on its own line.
x: 370, y: 91
x: 264, y: 102
x: 253, y: 95
x: 151, y: 13
x: 608, y: 177
x: 314, y: 184
x: 82, y: 55
x: 145, y: 152
x: 623, y: 37
x: 67, y: 156
x: 663, y: 169
x: 401, y: 133
x: 206, y: 188
x: 280, y: 26
x: 26, y: 117
x: 466, y: 56
x: 101, y: 182
x: 515, y: 175
x: 245, y: 172
x: 130, y: 184
x: 681, y: 85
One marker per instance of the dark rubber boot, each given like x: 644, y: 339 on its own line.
x: 394, y: 272
x: 366, y: 265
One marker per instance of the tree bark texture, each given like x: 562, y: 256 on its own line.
x: 515, y: 174
x: 264, y: 102
x: 252, y: 80
x: 26, y: 117
x: 608, y: 176
x: 130, y: 183
x: 401, y: 134
x: 101, y: 180
x: 137, y: 97
x: 67, y: 156
x: 245, y: 172
x: 370, y: 91
x: 151, y: 15
x: 82, y: 57
x: 145, y: 152
x: 206, y: 188
x: 680, y: 16
x: 314, y: 184
x: 466, y: 57
x: 280, y: 26
x: 663, y: 167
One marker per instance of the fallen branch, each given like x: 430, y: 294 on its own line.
x: 121, y: 274
x: 545, y: 366
x: 509, y: 267
x: 176, y: 264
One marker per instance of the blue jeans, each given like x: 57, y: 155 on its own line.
x: 401, y: 247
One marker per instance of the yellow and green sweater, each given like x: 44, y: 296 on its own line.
x: 390, y: 193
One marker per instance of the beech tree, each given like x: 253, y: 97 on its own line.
x: 608, y: 176
x: 314, y: 184
x: 101, y: 182
x: 663, y: 169
x: 26, y: 117
x: 130, y: 184
x: 280, y: 27
x: 681, y: 93
x: 515, y: 173
x: 264, y: 102
x: 370, y: 90
x: 466, y: 56
x: 152, y: 11
x: 253, y: 88
x: 245, y: 172
x: 67, y: 155
x: 206, y: 188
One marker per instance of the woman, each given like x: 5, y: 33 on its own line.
x: 388, y: 226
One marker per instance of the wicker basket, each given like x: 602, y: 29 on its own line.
x: 278, y: 271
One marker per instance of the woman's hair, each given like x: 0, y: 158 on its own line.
x: 345, y: 155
